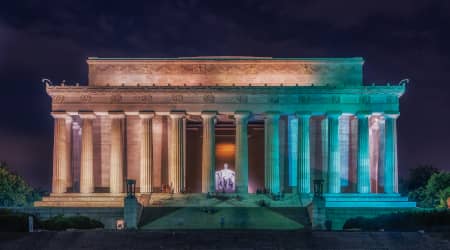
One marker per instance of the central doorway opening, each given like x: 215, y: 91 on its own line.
x: 225, y: 151
x: 225, y: 157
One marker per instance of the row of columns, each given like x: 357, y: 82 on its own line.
x: 177, y: 150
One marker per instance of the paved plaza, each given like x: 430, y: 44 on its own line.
x: 222, y: 239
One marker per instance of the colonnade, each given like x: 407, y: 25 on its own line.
x: 62, y: 179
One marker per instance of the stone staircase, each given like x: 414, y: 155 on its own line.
x: 81, y: 200
x: 278, y: 218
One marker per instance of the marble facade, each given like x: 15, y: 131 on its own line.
x: 130, y: 122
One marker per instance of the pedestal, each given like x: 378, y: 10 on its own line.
x: 318, y: 214
x: 131, y: 212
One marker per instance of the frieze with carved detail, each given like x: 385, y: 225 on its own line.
x: 208, y: 98
x: 259, y: 72
x: 177, y: 98
x: 364, y: 99
x: 116, y: 99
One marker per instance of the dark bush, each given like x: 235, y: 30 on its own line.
x: 14, y: 223
x: 436, y: 220
x: 263, y: 203
x: 76, y: 222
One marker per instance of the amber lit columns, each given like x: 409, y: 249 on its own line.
x: 146, y: 164
x: 87, y: 151
x: 61, y: 153
x: 208, y: 152
x: 177, y: 154
x: 241, y: 155
x: 116, y: 180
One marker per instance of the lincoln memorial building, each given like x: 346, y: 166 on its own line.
x: 276, y: 128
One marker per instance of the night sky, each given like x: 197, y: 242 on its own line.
x: 52, y: 39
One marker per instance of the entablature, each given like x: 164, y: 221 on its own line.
x: 254, y: 98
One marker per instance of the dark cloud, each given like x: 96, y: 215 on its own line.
x: 398, y: 39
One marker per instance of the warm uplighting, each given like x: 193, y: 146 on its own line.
x: 225, y: 150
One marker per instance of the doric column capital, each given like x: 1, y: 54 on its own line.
x: 303, y: 114
x: 334, y: 114
x: 177, y: 114
x: 145, y: 114
x: 208, y: 114
x: 242, y: 115
x: 86, y: 114
x: 391, y: 115
x: 363, y: 114
x: 116, y: 114
x: 61, y: 115
x: 274, y: 115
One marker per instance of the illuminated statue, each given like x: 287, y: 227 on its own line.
x: 225, y: 180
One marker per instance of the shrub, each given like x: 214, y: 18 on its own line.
x: 14, y: 223
x: 435, y: 220
x: 76, y: 222
x: 14, y: 191
x: 263, y: 203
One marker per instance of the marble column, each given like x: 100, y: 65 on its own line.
x: 293, y: 152
x: 177, y: 152
x: 69, y: 180
x: 208, y: 152
x: 61, y: 153
x: 116, y: 180
x: 146, y: 164
x: 390, y: 158
x: 241, y: 155
x: 272, y: 153
x: 87, y: 153
x: 334, y: 166
x: 363, y: 160
x: 304, y: 158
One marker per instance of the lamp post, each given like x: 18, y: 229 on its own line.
x: 318, y: 188
x: 131, y: 188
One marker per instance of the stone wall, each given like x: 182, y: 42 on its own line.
x: 107, y: 216
x: 338, y: 216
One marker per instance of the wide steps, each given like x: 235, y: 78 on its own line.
x: 81, y: 200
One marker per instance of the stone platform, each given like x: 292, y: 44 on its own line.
x: 81, y: 200
x: 367, y: 200
x: 168, y: 200
x: 221, y: 200
x: 224, y: 200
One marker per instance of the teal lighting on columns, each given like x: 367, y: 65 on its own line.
x: 334, y: 166
x: 390, y: 158
x: 272, y: 152
x: 208, y: 152
x: 304, y: 159
x: 241, y: 155
x: 293, y: 151
x: 363, y: 164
